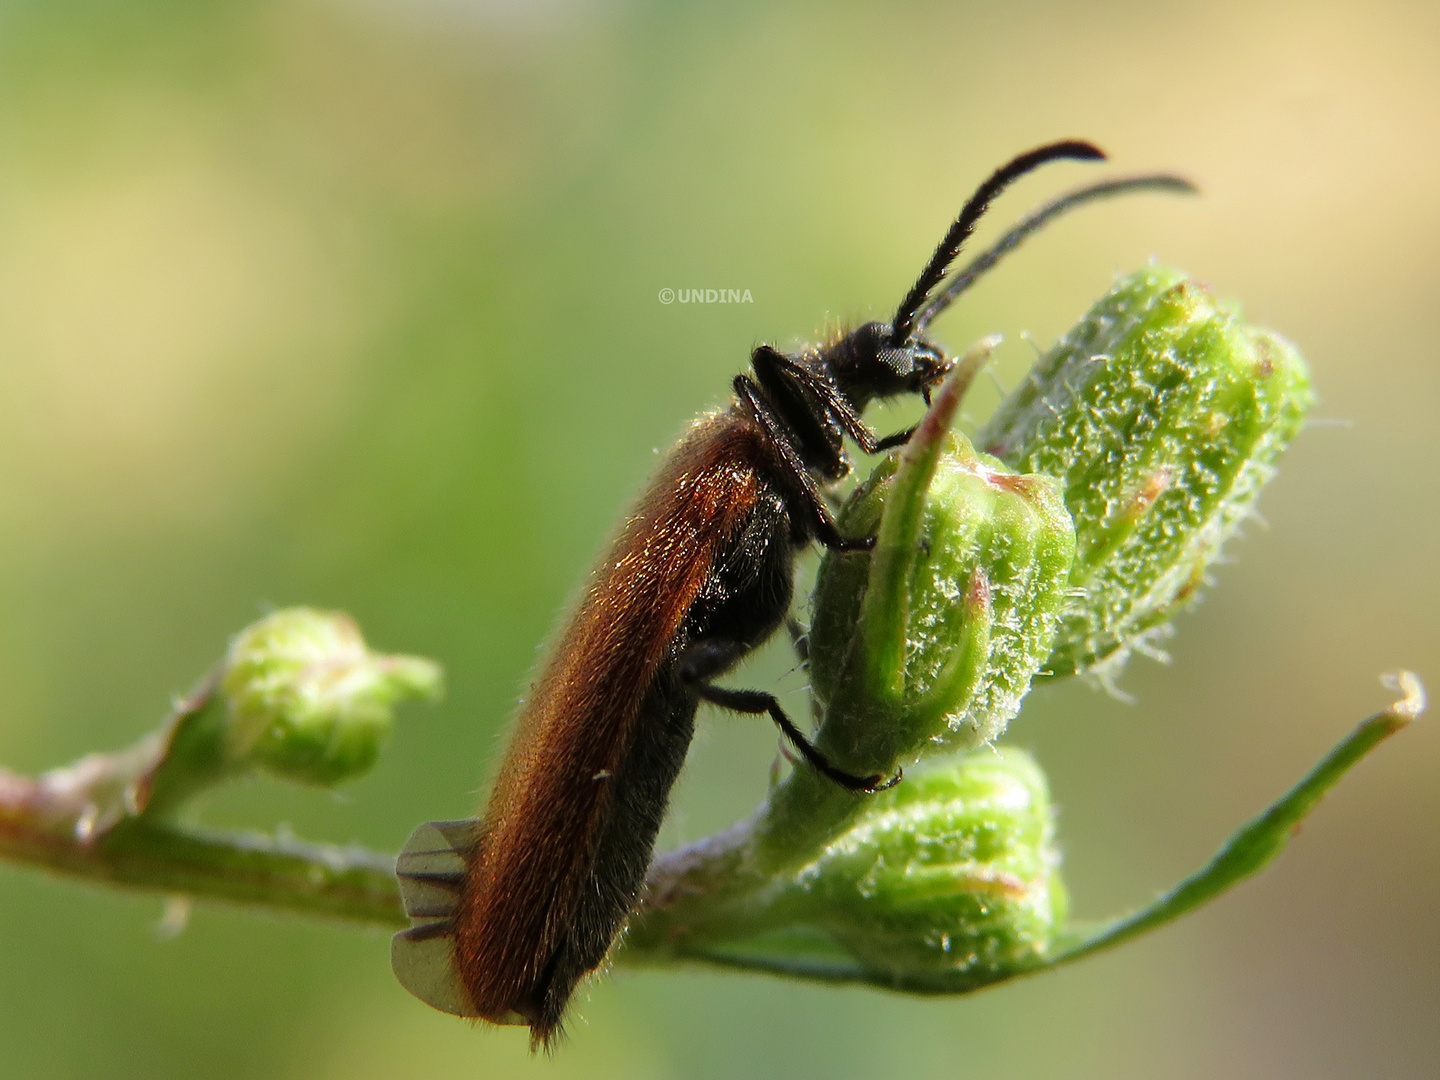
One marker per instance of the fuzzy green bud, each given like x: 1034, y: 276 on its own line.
x: 309, y: 701
x: 947, y: 882
x: 1162, y: 413
x: 941, y: 884
x: 988, y: 567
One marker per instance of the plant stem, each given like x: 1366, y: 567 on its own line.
x: 1256, y: 843
x: 43, y: 823
x: 40, y: 826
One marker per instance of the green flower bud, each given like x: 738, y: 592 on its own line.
x: 948, y: 881
x: 941, y: 884
x: 1162, y: 414
x: 987, y: 577
x: 309, y: 701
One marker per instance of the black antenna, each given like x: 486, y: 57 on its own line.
x: 1036, y: 220
x: 959, y: 232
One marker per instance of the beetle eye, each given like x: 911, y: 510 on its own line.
x: 900, y: 361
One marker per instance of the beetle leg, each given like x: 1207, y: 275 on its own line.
x: 759, y: 702
x: 771, y: 363
x: 711, y: 656
x: 900, y: 438
x: 797, y: 476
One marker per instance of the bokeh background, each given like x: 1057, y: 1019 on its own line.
x: 354, y: 303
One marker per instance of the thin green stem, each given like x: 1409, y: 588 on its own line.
x: 680, y: 921
x: 42, y: 825
x: 1256, y: 843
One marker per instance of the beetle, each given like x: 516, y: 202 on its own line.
x: 512, y: 910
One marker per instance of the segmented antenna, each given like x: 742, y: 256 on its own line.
x: 1036, y: 220
x: 1074, y: 149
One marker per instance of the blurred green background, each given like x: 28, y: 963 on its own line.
x: 354, y: 303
